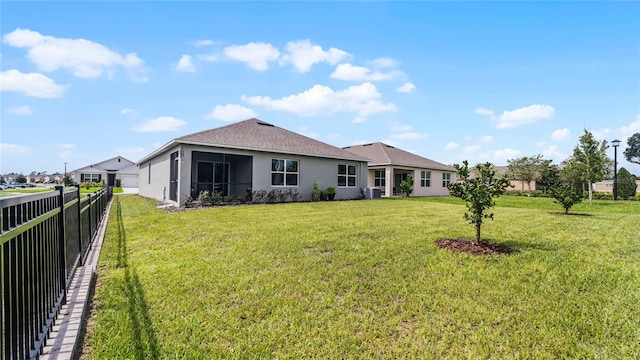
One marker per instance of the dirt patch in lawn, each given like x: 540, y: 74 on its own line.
x: 469, y: 247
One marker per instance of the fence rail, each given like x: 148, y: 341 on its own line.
x: 44, y: 237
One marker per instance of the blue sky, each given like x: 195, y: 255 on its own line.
x: 483, y: 81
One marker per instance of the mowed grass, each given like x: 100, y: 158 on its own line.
x: 364, y: 279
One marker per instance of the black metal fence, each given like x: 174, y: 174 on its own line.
x: 43, y: 237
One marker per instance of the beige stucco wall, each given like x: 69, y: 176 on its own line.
x: 435, y: 188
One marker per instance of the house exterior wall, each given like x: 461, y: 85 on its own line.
x: 435, y: 188
x: 607, y: 186
x: 153, y: 178
x: 310, y: 170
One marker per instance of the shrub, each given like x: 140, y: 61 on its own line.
x: 316, y: 193
x: 566, y: 196
x: 205, y: 198
x: 406, y: 186
x: 118, y: 183
x: 187, y: 202
x: 258, y: 196
x: 294, y: 195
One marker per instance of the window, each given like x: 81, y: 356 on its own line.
x: 425, y: 178
x: 446, y: 179
x: 379, y: 178
x: 284, y: 172
x: 346, y: 175
x: 91, y: 177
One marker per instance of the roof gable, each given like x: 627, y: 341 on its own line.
x: 114, y: 164
x: 383, y: 154
x: 255, y: 134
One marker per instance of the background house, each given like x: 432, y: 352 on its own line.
x: 389, y: 166
x: 248, y: 155
x: 117, y: 168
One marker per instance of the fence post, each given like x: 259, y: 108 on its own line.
x: 80, y: 226
x: 61, y: 245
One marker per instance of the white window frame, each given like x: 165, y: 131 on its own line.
x: 425, y: 178
x: 91, y: 177
x: 446, y: 179
x: 347, y: 176
x: 285, y: 172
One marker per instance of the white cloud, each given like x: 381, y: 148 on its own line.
x: 208, y: 58
x: 383, y: 63
x: 201, y: 43
x: 127, y: 111
x: 303, y: 54
x: 363, y: 99
x: 406, y: 88
x: 412, y: 135
x: 632, y: 128
x: 360, y: 73
x: 552, y: 152
x: 30, y: 84
x: 359, y: 120
x: 499, y: 157
x: 483, y: 111
x: 231, y: 112
x: 256, y: 55
x: 486, y: 139
x: 14, y: 150
x: 20, y: 110
x: 163, y: 123
x: 451, y: 146
x: 560, y: 134
x: 185, y: 64
x: 524, y: 115
x: 84, y: 58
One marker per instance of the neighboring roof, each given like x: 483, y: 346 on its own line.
x: 255, y: 134
x: 383, y: 154
x: 103, y: 165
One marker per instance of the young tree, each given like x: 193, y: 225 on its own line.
x: 525, y: 168
x: 406, y: 186
x: 632, y: 153
x: 592, y: 159
x: 549, y: 175
x: 566, y: 196
x: 626, y: 184
x: 478, y: 192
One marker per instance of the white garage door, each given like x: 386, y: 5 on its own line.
x: 129, y: 181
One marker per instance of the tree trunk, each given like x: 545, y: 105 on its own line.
x: 477, y: 234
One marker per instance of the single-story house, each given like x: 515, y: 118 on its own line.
x: 117, y: 168
x: 389, y: 166
x: 250, y: 155
x: 607, y: 186
x: 518, y: 184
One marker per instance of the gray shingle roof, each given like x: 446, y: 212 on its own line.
x: 255, y: 134
x: 383, y: 154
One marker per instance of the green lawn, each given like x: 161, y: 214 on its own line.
x: 363, y: 279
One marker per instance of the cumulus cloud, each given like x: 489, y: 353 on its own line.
x: 406, y: 88
x: 632, y: 128
x: 486, y: 139
x: 382, y: 63
x: 185, y: 64
x: 20, y: 110
x: 451, y: 146
x: 561, y: 134
x: 525, y: 115
x: 163, y: 123
x: 499, y: 156
x: 231, y: 112
x: 30, y: 84
x: 303, y: 54
x: 84, y: 58
x: 485, y: 112
x: 363, y: 99
x: 350, y: 72
x: 358, y: 120
x: 256, y: 55
x: 552, y: 152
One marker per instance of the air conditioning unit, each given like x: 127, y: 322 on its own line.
x: 372, y: 193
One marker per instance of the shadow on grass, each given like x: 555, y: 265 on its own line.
x: 522, y: 245
x: 569, y: 214
x: 144, y: 337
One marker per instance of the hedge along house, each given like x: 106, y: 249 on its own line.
x: 389, y: 166
x: 109, y: 171
x: 247, y: 156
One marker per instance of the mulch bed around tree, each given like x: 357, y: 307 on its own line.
x: 467, y: 246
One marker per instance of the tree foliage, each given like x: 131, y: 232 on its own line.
x: 549, y: 175
x: 478, y: 191
x: 626, y: 184
x: 591, y: 159
x: 21, y: 179
x: 632, y: 152
x: 406, y: 186
x: 525, y: 168
x: 566, y: 195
